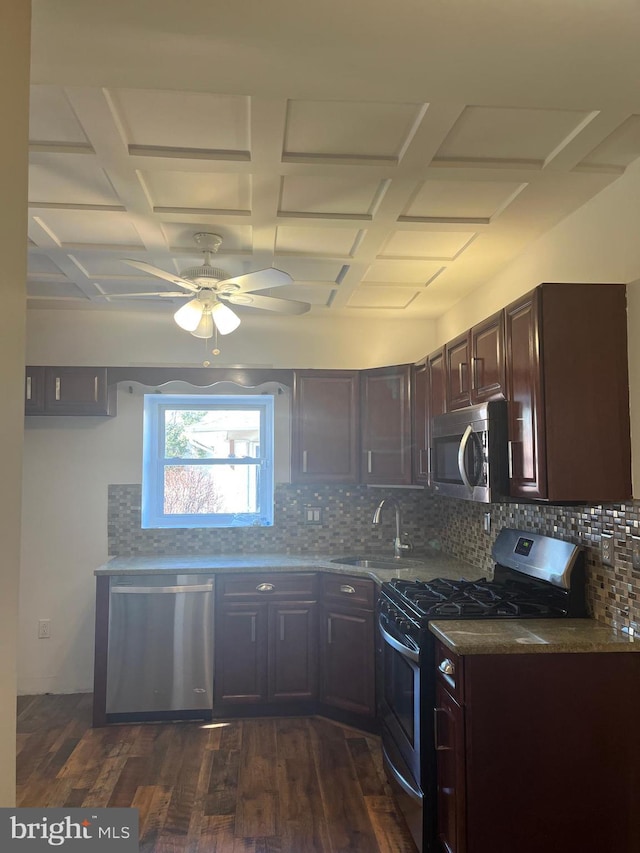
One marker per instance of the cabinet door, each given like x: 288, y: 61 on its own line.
x: 325, y: 426
x: 241, y: 654
x: 437, y: 393
x: 386, y: 425
x: 420, y: 406
x: 34, y: 391
x: 458, y: 373
x: 347, y: 659
x: 293, y: 656
x: 450, y: 760
x: 527, y: 472
x: 487, y: 359
x: 78, y: 391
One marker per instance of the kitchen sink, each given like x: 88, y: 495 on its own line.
x: 392, y: 563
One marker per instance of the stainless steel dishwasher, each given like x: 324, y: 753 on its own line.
x: 160, y: 649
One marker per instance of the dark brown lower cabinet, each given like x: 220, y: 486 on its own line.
x: 266, y: 652
x: 347, y: 659
x: 538, y: 752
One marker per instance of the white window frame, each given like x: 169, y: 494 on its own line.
x: 154, y: 461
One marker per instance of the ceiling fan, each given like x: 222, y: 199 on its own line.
x: 212, y: 289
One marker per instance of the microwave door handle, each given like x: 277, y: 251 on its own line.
x: 461, y: 454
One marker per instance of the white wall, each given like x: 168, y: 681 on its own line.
x: 151, y: 337
x: 14, y: 99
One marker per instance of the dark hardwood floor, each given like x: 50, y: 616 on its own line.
x: 286, y: 785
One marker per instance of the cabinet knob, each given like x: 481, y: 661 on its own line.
x: 347, y: 588
x: 447, y: 667
x: 265, y: 587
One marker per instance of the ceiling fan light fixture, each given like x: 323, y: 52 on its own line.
x: 189, y: 316
x: 225, y: 319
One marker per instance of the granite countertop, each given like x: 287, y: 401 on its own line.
x: 530, y: 636
x: 427, y: 566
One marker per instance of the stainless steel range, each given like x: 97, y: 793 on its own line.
x: 535, y: 577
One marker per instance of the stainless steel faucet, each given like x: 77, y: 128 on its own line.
x: 400, y: 548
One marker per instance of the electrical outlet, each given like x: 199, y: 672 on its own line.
x: 606, y: 549
x: 44, y: 629
x: 635, y: 553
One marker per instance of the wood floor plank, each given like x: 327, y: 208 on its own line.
x: 366, y: 771
x: 185, y: 787
x: 346, y: 813
x: 154, y: 820
x: 223, y: 782
x: 217, y: 834
x: 391, y: 831
x: 124, y: 790
x: 301, y: 821
x: 102, y: 788
x: 257, y: 799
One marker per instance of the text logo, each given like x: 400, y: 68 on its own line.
x: 35, y: 830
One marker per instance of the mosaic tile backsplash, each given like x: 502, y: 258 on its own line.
x: 455, y: 526
x: 345, y: 524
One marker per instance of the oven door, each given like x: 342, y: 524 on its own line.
x: 399, y: 708
x: 400, y: 696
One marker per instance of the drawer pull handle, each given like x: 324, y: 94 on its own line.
x: 58, y: 387
x: 304, y: 461
x: 347, y: 588
x: 28, y: 387
x: 265, y: 587
x: 447, y: 667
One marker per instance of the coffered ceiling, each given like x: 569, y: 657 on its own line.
x: 392, y: 199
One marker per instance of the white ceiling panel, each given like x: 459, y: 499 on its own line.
x: 382, y: 297
x: 184, y: 119
x: 51, y: 118
x: 69, y: 179
x: 620, y: 148
x: 348, y: 129
x: 198, y: 190
x: 497, y: 133
x: 97, y: 227
x: 316, y: 241
x: 325, y: 195
x: 304, y: 270
x: 41, y: 264
x: 461, y: 199
x: 414, y: 272
x: 53, y: 290
x: 426, y: 244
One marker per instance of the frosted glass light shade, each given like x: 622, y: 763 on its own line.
x: 224, y: 318
x: 189, y: 316
x: 204, y: 329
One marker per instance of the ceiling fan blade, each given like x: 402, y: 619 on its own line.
x: 269, y: 303
x: 171, y: 295
x: 258, y: 280
x: 174, y: 279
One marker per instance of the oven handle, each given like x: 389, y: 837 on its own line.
x: 405, y: 651
x: 406, y: 786
x: 461, y: 453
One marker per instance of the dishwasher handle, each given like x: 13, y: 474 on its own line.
x: 161, y: 590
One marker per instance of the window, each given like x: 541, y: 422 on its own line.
x: 207, y: 461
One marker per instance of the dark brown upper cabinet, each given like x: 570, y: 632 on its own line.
x: 421, y: 417
x: 567, y: 387
x: 69, y: 391
x: 386, y: 425
x: 487, y: 359
x: 458, y: 372
x: 325, y: 426
x: 475, y: 369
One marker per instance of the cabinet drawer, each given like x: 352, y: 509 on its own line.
x: 349, y: 590
x: 449, y: 671
x: 263, y: 585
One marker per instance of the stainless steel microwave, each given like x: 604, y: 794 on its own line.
x: 468, y: 453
